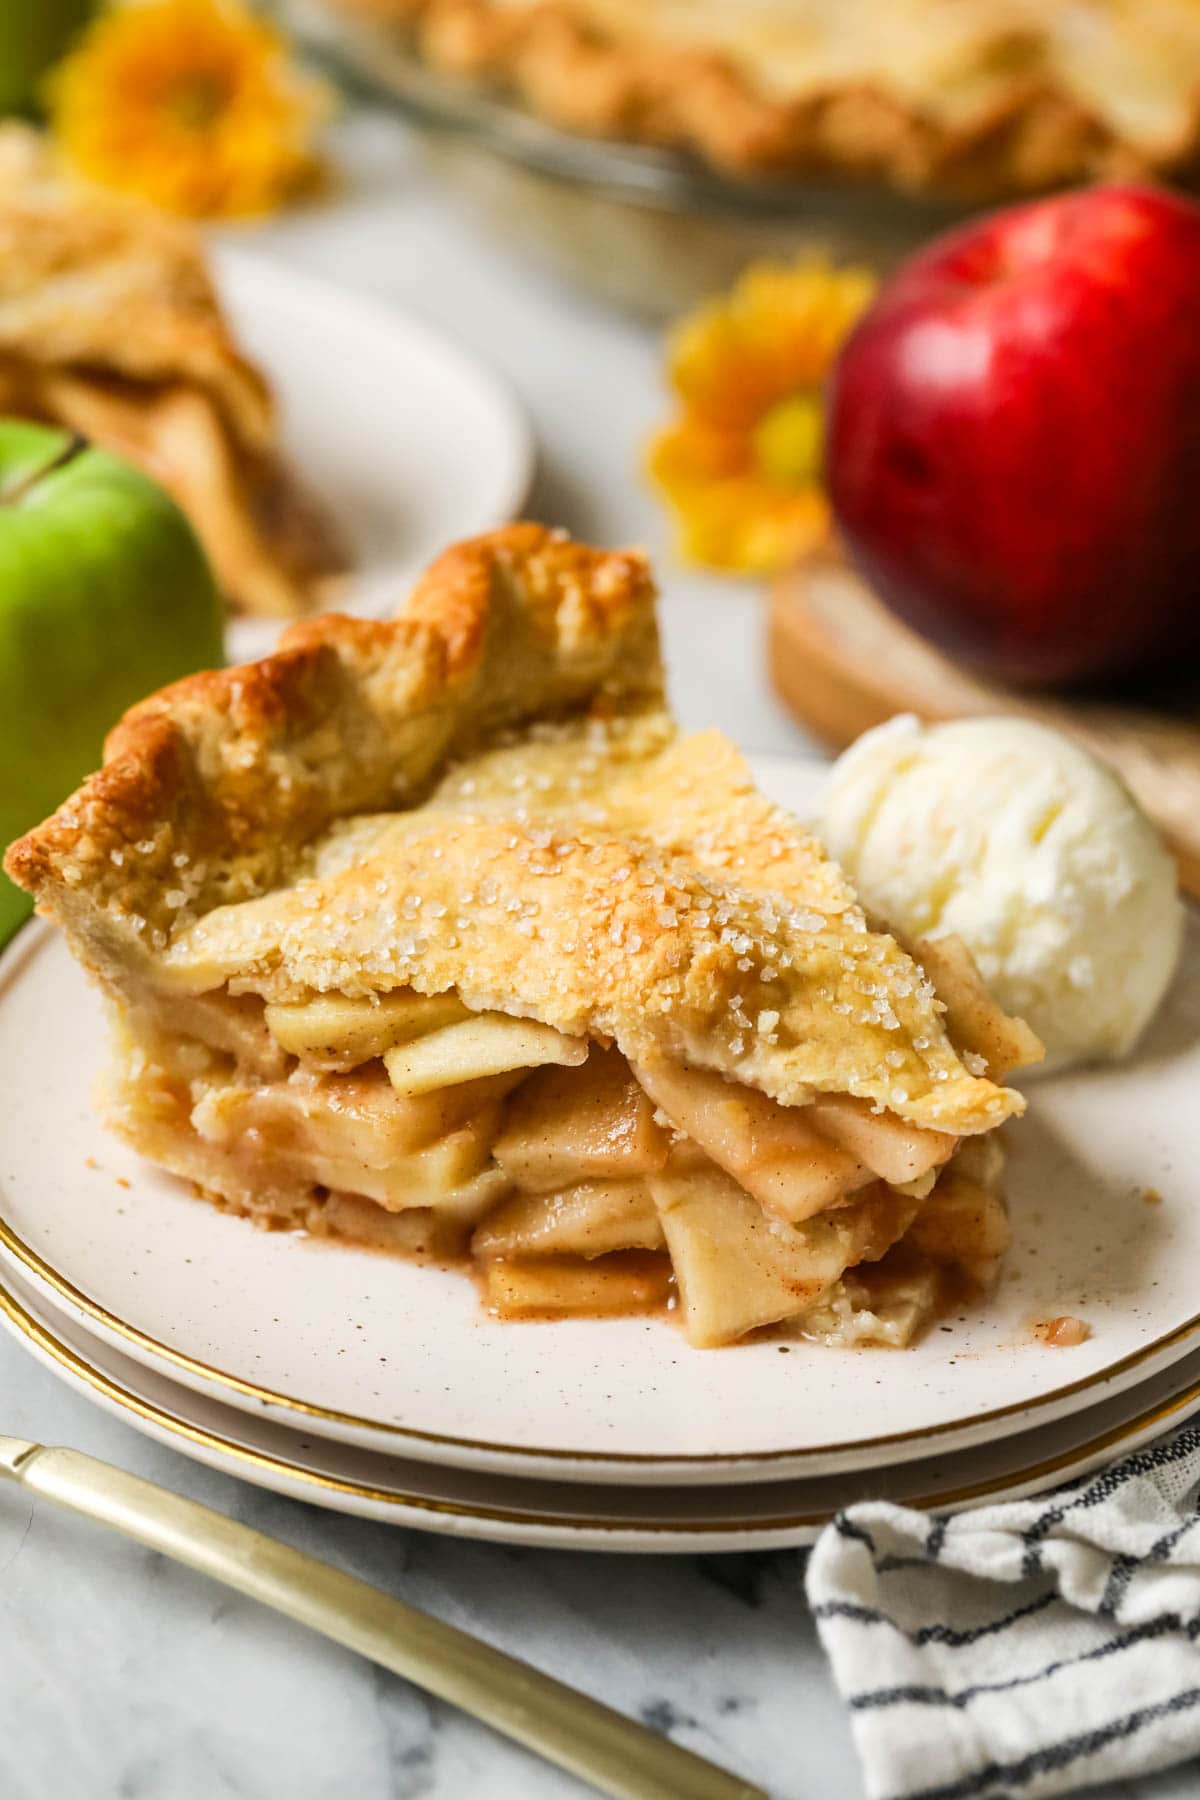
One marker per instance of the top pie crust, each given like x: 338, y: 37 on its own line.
x: 970, y: 98
x: 487, y: 794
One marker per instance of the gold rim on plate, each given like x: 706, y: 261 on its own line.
x: 25, y: 1325
x: 35, y: 935
x: 37, y: 1266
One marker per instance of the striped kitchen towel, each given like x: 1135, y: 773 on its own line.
x: 1026, y: 1648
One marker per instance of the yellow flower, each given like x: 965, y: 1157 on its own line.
x: 191, y: 103
x: 740, y: 465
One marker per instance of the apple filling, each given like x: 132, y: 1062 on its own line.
x: 573, y: 1182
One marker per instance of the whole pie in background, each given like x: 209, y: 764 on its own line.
x: 971, y: 99
x: 437, y: 935
x: 110, y: 325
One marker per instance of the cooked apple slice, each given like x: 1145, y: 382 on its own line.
x: 964, y: 1222
x: 434, y: 1114
x: 484, y: 1044
x: 354, y: 1134
x: 452, y: 1176
x: 738, y: 1268
x: 553, y: 1287
x: 973, y: 1020
x: 588, y: 1220
x: 580, y: 1124
x: 895, y: 1151
x: 772, y: 1150
x: 358, y: 1116
x: 334, y: 1031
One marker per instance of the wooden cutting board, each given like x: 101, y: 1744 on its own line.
x: 842, y: 663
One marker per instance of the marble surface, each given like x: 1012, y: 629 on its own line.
x: 123, y: 1677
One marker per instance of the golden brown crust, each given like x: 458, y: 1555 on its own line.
x: 1012, y: 110
x: 211, y: 789
x: 485, y: 795
x: 101, y: 281
x: 573, y: 602
x: 609, y: 938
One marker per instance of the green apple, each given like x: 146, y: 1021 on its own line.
x: 105, y: 595
x: 33, y: 35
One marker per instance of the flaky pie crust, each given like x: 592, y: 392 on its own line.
x: 548, y: 845
x: 972, y: 101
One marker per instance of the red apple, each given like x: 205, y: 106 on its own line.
x: 1014, y: 438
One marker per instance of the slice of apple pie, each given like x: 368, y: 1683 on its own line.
x: 435, y: 934
x: 110, y: 325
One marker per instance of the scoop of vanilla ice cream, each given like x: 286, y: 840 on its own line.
x: 1018, y: 841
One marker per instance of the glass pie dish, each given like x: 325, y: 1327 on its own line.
x: 650, y: 229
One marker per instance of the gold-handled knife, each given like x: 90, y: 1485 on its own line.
x: 590, y: 1740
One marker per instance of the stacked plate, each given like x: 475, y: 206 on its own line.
x: 368, y: 1384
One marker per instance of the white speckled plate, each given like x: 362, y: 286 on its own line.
x: 767, y: 1515
x: 389, y: 1355
x: 410, y: 442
